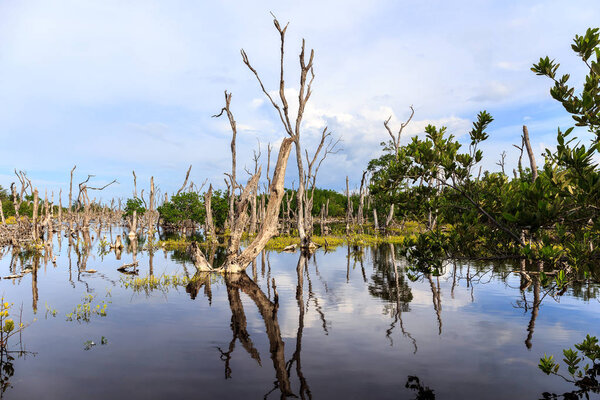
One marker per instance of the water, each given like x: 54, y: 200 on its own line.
x: 345, y: 326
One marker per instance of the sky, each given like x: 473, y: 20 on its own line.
x: 115, y: 86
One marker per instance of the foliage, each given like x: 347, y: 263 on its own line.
x: 8, y: 327
x: 337, y: 202
x: 585, y: 377
x: 220, y: 208
x: 467, y: 212
x: 134, y: 204
x: 331, y: 241
x: 151, y: 282
x: 86, y: 310
x: 584, y: 106
x: 189, y: 206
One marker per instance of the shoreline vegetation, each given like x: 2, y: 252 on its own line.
x: 430, y: 196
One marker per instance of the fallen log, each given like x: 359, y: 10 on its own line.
x: 124, y: 267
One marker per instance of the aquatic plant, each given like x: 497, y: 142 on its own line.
x: 8, y: 327
x: 86, y: 310
x: 150, y: 283
x: 88, y: 344
x: 50, y: 311
x: 332, y: 241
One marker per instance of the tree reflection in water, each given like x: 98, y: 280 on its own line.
x: 242, y: 283
x: 389, y: 283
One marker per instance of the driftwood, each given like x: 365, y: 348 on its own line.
x: 124, y: 267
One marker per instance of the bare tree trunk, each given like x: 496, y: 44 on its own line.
x: 253, y: 218
x: 2, y: 213
x: 390, y: 217
x: 16, y: 203
x: 304, y: 238
x: 35, y: 215
x: 348, y: 207
x: 321, y: 220
x: 235, y: 263
x: 70, y: 214
x: 375, y: 223
x: 534, y: 171
x: 361, y: 200
x: 134, y: 184
x: 263, y: 207
x: 210, y: 226
x: 60, y: 211
x: 287, y: 213
x: 241, y: 215
x: 151, y: 213
x: 46, y: 222
x: 133, y: 225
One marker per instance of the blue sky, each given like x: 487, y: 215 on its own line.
x: 114, y: 86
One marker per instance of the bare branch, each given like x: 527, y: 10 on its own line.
x: 269, y: 148
x: 103, y: 187
x: 396, y: 137
x: 134, y: 184
x: 246, y: 61
x: 187, y: 175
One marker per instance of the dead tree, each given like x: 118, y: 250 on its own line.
x: 292, y: 129
x: 328, y: 147
x: 35, y: 231
x: 210, y: 226
x: 70, y: 216
x: 60, y: 211
x: 84, y: 200
x: 360, y: 218
x: 2, y: 213
x: 348, y: 207
x: 237, y: 263
x: 151, y: 212
x: 253, y: 203
x: 187, y: 176
x: 18, y: 199
x: 396, y: 137
x: 534, y: 171
x: 232, y: 184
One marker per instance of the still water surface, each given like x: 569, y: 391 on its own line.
x: 342, y: 324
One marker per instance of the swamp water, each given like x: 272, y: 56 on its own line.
x: 347, y: 325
